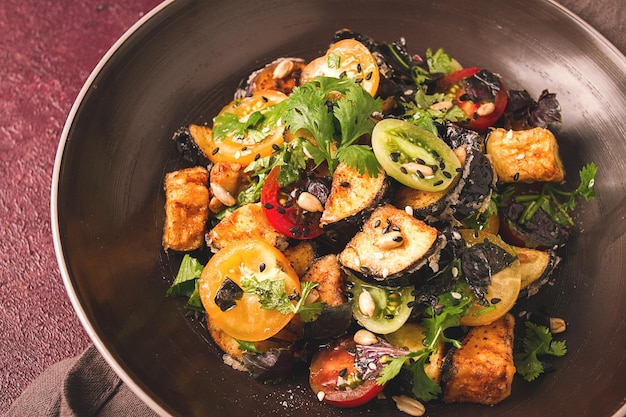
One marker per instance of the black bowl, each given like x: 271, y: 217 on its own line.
x: 183, y: 62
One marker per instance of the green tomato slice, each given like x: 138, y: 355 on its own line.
x: 392, y: 306
x: 414, y: 156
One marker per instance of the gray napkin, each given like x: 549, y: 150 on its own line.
x: 84, y: 386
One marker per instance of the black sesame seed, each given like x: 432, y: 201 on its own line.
x: 268, y: 206
x: 459, y: 169
x: 344, y: 184
x: 396, y: 228
x: 349, y: 284
x: 358, y: 80
x: 420, y: 161
x: 294, y: 229
x: 398, y: 239
x: 516, y: 176
x: 215, y: 150
x: 257, y: 157
x: 410, y: 304
x: 389, y: 316
x: 369, y: 76
x: 377, y: 223
x: 262, y: 267
x: 442, y: 165
x: 244, y: 148
x: 419, y: 174
x: 403, y: 170
x: 495, y: 300
x: 349, y: 294
x: 447, y: 174
x: 280, y: 210
x: 436, y: 183
x: 275, y: 147
x: 265, y: 99
x: 359, y: 68
x: 343, y: 372
x: 343, y: 74
x: 475, y: 116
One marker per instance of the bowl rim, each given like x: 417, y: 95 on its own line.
x: 58, y: 162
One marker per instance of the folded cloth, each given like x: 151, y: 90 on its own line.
x: 84, y: 386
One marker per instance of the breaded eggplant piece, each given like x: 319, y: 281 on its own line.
x: 482, y: 370
x: 352, y: 198
x: 186, y: 209
x: 391, y: 246
x: 301, y: 255
x: 330, y: 278
x: 537, y: 267
x: 245, y: 223
x: 525, y: 155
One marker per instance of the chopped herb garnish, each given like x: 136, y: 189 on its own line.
x: 556, y: 202
x: 272, y: 296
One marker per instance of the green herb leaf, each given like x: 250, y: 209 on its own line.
x: 272, y: 296
x: 336, y: 112
x: 537, y: 343
x: 454, y: 305
x: 184, y: 284
x: 247, y: 346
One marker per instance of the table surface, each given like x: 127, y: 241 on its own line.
x: 48, y: 49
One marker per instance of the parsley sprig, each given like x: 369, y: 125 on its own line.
x: 450, y: 310
x: 538, y: 343
x: 336, y: 112
x: 272, y: 296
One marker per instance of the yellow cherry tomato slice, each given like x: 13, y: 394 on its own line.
x: 505, y: 285
x: 247, y: 320
x: 236, y: 148
x: 348, y: 58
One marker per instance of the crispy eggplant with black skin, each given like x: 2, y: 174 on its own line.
x: 537, y: 267
x: 352, y: 198
x: 540, y: 231
x: 482, y: 370
x: 392, y: 248
x: 466, y: 197
x: 336, y: 316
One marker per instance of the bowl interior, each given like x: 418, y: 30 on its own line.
x: 184, y: 63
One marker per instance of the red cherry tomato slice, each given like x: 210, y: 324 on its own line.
x: 484, y: 106
x: 283, y: 212
x: 333, y: 372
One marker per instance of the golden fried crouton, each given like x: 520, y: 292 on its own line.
x: 186, y: 209
x: 525, y: 155
x: 482, y: 370
x: 245, y: 223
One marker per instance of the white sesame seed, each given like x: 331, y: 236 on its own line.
x: 321, y: 395
x: 456, y: 295
x: 408, y: 210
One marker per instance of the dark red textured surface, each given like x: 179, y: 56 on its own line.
x: 47, y: 50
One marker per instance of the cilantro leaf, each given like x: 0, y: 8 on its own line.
x: 449, y: 315
x: 537, y: 343
x: 336, y: 112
